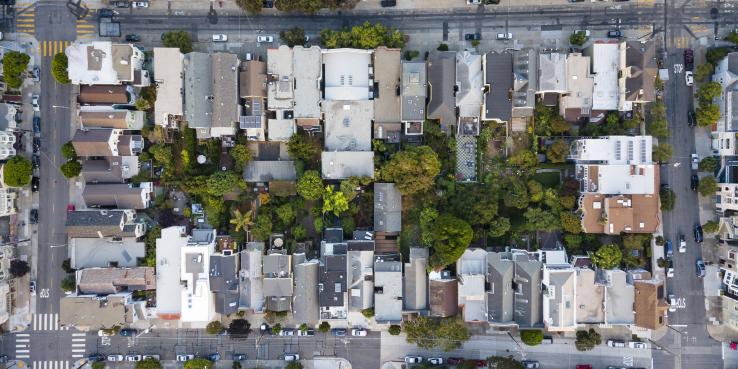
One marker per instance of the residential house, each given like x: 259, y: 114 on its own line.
x: 332, y: 277
x: 470, y: 87
x: 605, y: 68
x: 118, y: 195
x: 307, y: 70
x: 415, y: 282
x: 387, y: 75
x: 251, y: 278
x: 169, y: 247
x: 271, y: 162
x: 551, y: 76
x: 387, y: 208
x: 305, y: 303
x: 7, y: 254
x: 106, y: 63
x: 387, y: 289
x: 169, y: 79
x: 650, y: 305
x: 197, y: 300
x: 443, y: 292
x: 105, y: 95
x: 525, y: 86
x: 10, y: 117
x: 280, y: 93
x: 277, y: 282
x: 106, y: 281
x: 106, y: 117
x: 559, y: 297
x: 336, y: 165
x: 211, y: 94
x: 97, y: 142
x: 637, y: 75
x: 528, y: 311
x: 619, y: 297
x: 500, y: 293
x: 110, y: 169
x: 577, y: 102
x: 224, y: 282
x: 498, y: 81
x: 471, y: 269
x: 7, y: 145
x: 91, y: 312
x: 360, y: 268
x: 103, y: 224
x: 94, y: 252
x: 413, y: 90
x: 590, y: 299
x: 441, y: 71
x: 252, y: 79
x: 7, y: 199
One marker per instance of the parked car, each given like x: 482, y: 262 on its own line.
x: 338, y: 332
x: 359, y: 332
x: 669, y: 250
x: 435, y: 360
x: 140, y: 4
x: 214, y: 357
x: 691, y: 118
x: 472, y: 36
x: 151, y: 357
x: 682, y: 244
x: 36, y: 144
x: 220, y: 37
x: 71, y: 207
x: 34, y: 103
x: 121, y: 4
x: 37, y: 125
x: 505, y: 36
x: 35, y: 161
x: 688, y: 78
x: 133, y: 357
x: 583, y: 366
x: 185, y: 357
x: 36, y: 74
x: 287, y: 332
x: 388, y: 3
x: 694, y: 182
x: 531, y: 364
x: 614, y: 33
x: 695, y: 161
x: 413, y: 359
x: 265, y: 327
x: 34, y: 216
x: 96, y: 357
x: 306, y: 333
x: 115, y: 357
x: 637, y: 345
x: 128, y: 332
x: 264, y: 39
x: 105, y: 333
x: 454, y: 360
x: 32, y: 288
x: 106, y: 13
x: 3, y: 358
x: 672, y: 303
x: 700, y: 268
x: 133, y: 37
x: 237, y: 357
x: 688, y: 59
x: 291, y: 357
x: 698, y: 236
x: 615, y: 343
x: 34, y: 184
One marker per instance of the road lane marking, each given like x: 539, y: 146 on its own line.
x: 22, y: 356
x: 22, y: 340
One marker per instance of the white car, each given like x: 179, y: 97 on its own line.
x: 359, y: 332
x: 586, y: 32
x: 689, y: 78
x: 504, y: 36
x: 115, y: 357
x: 670, y: 273
x: 220, y: 38
x: 638, y: 345
x: 291, y: 357
x: 140, y: 4
x: 682, y: 244
x: 104, y: 333
x: 264, y: 39
x: 695, y: 162
x: 413, y: 359
x: 134, y: 357
x: 435, y: 360
x: 672, y: 303
x: 34, y: 103
x: 185, y: 357
x: 152, y: 357
x: 615, y: 343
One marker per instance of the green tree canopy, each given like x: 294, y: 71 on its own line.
x: 451, y: 237
x: 286, y: 213
x: 324, y: 327
x: 262, y: 226
x: 570, y: 222
x: 668, y: 198
x: 310, y: 185
x: 708, y: 92
x: 19, y: 268
x: 220, y: 183
x: 294, y: 365
x: 662, y: 152
x: 14, y: 67
x: 303, y: 6
x: 148, y: 364
x: 98, y: 365
x: 710, y: 226
x: 428, y: 333
x: 214, y: 327
x: 364, y: 36
x: 334, y: 202
x: 525, y: 159
x: 413, y: 170
x: 241, y: 156
x: 394, y: 330
x: 59, y: 67
x: 516, y: 195
x: 703, y: 72
x: 71, y: 169
x: 68, y: 152
x: 498, y: 227
x: 578, y: 38
x: 428, y: 217
x: 607, y: 256
x: 162, y: 154
x: 239, y: 327
x: 180, y: 39
x: 305, y: 148
x: 69, y: 283
x: 707, y: 186
x: 251, y: 6
x: 501, y: 362
x: 198, y: 363
x: 558, y: 151
x: 17, y: 172
x: 476, y: 204
x: 538, y: 219
x: 587, y: 340
x: 293, y: 36
x: 709, y: 164
x: 707, y: 114
x: 531, y: 337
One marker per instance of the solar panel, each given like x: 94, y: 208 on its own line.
x: 246, y: 122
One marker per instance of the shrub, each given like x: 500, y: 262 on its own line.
x: 214, y: 327
x: 68, y: 151
x: 587, y: 340
x: 17, y: 172
x: 531, y: 337
x: 148, y: 364
x: 394, y: 329
x: 578, y: 38
x: 69, y: 283
x: 324, y: 327
x: 368, y: 313
x: 19, y: 268
x: 14, y: 66
x: 98, y: 365
x: 180, y: 39
x: 59, y: 68
x: 198, y: 364
x: 442, y: 47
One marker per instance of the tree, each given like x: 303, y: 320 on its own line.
x: 162, y: 154
x: 538, y: 219
x: 68, y: 152
x: 451, y: 237
x: 293, y: 36
x: 14, y: 66
x: 368, y: 313
x: 516, y: 195
x: 293, y: 365
x: 148, y: 364
x: 703, y: 71
x: 525, y: 159
x: 427, y: 333
x: 180, y: 39
x: 587, y: 340
x: 394, y: 330
x: 239, y: 327
x: 276, y: 328
x: 709, y: 164
x: 310, y: 185
x: 428, y: 217
x: 413, y: 170
x: 710, y: 226
x: 535, y: 190
x: 69, y: 283
x: 241, y: 156
x: 71, y: 169
x: 286, y: 213
x: 67, y: 266
x: 411, y: 54
x: 142, y: 104
x: 578, y: 38
x: 558, y: 124
x: 17, y: 172
x: 299, y: 232
x: 98, y: 365
x: 668, y: 198
x: 558, y: 151
x: 19, y: 268
x: 334, y: 202
x: 498, y: 227
x: 500, y: 362
x: 214, y: 327
x: 304, y: 327
x: 364, y: 36
x: 220, y: 183
x: 262, y: 226
x: 304, y: 6
x: 531, y: 337
x: 707, y: 186
x: 658, y: 127
x: 662, y: 152
x: 59, y: 67
x: 198, y: 363
x: 570, y: 222
x: 305, y: 148
x: 442, y: 47
x: 708, y: 92
x: 707, y: 114
x: 607, y: 256
x: 324, y: 327
x: 251, y: 6
x: 732, y: 37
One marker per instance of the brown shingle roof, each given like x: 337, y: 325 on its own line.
x: 104, y: 119
x: 104, y: 281
x: 92, y: 142
x: 650, y: 307
x: 103, y: 95
x: 443, y: 297
x: 252, y: 81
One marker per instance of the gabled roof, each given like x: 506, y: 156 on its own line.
x: 251, y: 277
x: 111, y: 118
x: 442, y: 78
x: 499, y: 77
x: 122, y: 196
x: 415, y: 291
x: 470, y: 83
x: 103, y: 95
x: 97, y: 223
x: 306, y: 292
x: 95, y: 142
x: 500, y: 275
x: 103, y: 252
x: 387, y: 208
x: 650, y: 306
x: 527, y: 302
x: 640, y: 58
x: 225, y: 94
x: 224, y: 283
x: 252, y: 79
x: 198, y: 86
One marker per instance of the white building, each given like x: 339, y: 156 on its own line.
x: 197, y: 300
x: 605, y: 64
x: 169, y: 78
x: 7, y: 140
x: 106, y: 63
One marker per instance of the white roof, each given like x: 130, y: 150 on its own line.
x: 579, y: 82
x: 623, y: 179
x: 552, y: 72
x: 345, y: 164
x: 168, y: 247
x: 614, y: 150
x: 280, y: 85
x: 605, y: 67
x: 197, y: 300
x: 347, y: 74
x: 348, y: 125
x: 168, y: 71
x: 97, y: 69
x: 307, y: 72
x: 281, y: 129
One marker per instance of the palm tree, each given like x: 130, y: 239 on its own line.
x: 242, y: 221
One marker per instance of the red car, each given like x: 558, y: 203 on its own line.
x: 584, y: 366
x: 454, y: 360
x: 734, y: 346
x: 70, y: 207
x: 482, y: 363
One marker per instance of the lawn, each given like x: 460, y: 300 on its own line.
x: 548, y: 179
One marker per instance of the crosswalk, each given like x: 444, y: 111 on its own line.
x: 86, y: 27
x: 51, y: 364
x: 47, y: 322
x: 51, y: 48
x: 22, y: 345
x: 79, y: 341
x: 680, y: 42
x: 25, y: 20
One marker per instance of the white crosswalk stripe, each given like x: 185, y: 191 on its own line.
x: 50, y: 364
x: 79, y: 340
x: 47, y: 322
x: 22, y: 345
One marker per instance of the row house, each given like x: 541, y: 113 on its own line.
x: 106, y: 63
x: 169, y: 82
x: 211, y: 94
x: 105, y: 238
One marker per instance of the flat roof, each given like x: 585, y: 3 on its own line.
x: 280, y: 80
x: 198, y: 108
x: 346, y: 74
x: 348, y: 125
x: 388, y: 289
x: 590, y: 298
x: 558, y: 306
x: 91, y: 63
x: 626, y: 179
x: 168, y: 259
x: 613, y: 150
x: 579, y: 83
x: 101, y: 252
x: 346, y: 164
x: 307, y: 71
x: 605, y: 57
x: 387, y: 73
x: 552, y: 72
x: 620, y: 299
x: 414, y: 89
x: 169, y: 77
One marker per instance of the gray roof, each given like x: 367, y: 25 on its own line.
x: 95, y: 223
x: 387, y: 73
x: 306, y: 293
x: 561, y: 309
x: 348, y: 125
x: 528, y: 306
x: 442, y: 78
x: 525, y: 84
x: 641, y: 59
x: 307, y: 71
x: 332, y: 277
x: 590, y: 298
x: 96, y: 312
x: 101, y: 171
x: 225, y: 92
x: 620, y: 298
x: 198, y: 92
x: 251, y: 277
x: 264, y: 171
x: 499, y: 78
x: 552, y: 69
x: 414, y: 89
x: 345, y: 164
x: 387, y: 208
x: 277, y: 281
x: 224, y: 283
x: 387, y: 288
x: 500, y: 273
x: 94, y: 142
x: 361, y: 274
x: 415, y: 292
x: 105, y: 281
x: 121, y: 196
x: 100, y: 253
x: 6, y: 123
x: 470, y: 83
